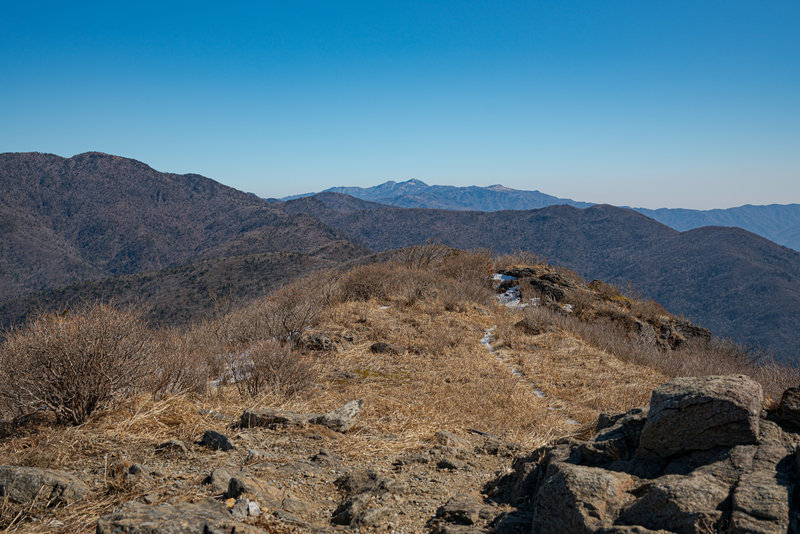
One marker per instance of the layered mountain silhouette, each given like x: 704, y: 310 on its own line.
x: 777, y: 222
x: 111, y: 227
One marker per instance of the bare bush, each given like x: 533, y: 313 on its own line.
x: 74, y: 363
x: 270, y: 367
x: 177, y: 367
x: 423, y: 256
x: 374, y: 281
x: 282, y: 315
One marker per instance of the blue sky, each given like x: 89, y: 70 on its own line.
x: 657, y: 104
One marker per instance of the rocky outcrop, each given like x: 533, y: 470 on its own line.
x: 341, y: 419
x: 702, y: 458
x: 45, y: 486
x: 208, y: 516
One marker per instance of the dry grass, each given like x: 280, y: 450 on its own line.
x: 436, y: 306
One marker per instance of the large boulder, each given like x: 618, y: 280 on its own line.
x: 699, y: 413
x: 208, y: 516
x: 47, y: 486
x: 680, y: 504
x: 579, y: 499
x: 702, y: 458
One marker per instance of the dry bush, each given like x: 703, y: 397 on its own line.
x: 178, y: 367
x: 423, y: 256
x: 270, y: 367
x: 74, y: 363
x: 282, y: 315
x: 374, y: 281
x: 606, y: 291
x: 516, y: 259
x: 648, y: 310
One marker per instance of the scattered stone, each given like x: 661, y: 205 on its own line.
x: 317, y: 342
x: 450, y: 440
x: 219, y: 479
x: 296, y: 506
x: 452, y: 464
x: 274, y: 418
x: 174, y: 446
x: 349, y: 510
x: 341, y: 419
x: 386, y: 348
x: 253, y: 455
x: 45, y: 486
x: 208, y: 516
x: 216, y: 441
x: 464, y: 509
x: 213, y: 414
x: 364, y: 481
x: 326, y: 458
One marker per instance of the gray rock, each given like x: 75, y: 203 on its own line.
x: 173, y: 446
x: 208, y: 517
x: 579, y: 499
x: 680, y: 504
x: 216, y: 441
x: 372, y: 517
x: 761, y: 503
x: 317, y: 342
x: 464, y: 509
x: 365, y: 481
x: 449, y: 439
x: 350, y: 509
x: 341, y: 419
x: 273, y: 418
x: 789, y: 408
x: 386, y: 348
x: 45, y: 486
x: 699, y: 413
x: 219, y: 479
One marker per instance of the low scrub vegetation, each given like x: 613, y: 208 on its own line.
x: 74, y: 363
x: 77, y: 363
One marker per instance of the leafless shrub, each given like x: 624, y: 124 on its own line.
x: 366, y: 282
x: 74, y: 363
x: 517, y: 259
x: 270, y: 367
x: 177, y: 367
x: 282, y: 315
x: 648, y: 310
x: 423, y: 256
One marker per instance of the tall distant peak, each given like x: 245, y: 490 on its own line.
x: 414, y: 181
x: 499, y: 187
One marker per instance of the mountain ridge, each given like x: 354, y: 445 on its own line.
x: 777, y: 222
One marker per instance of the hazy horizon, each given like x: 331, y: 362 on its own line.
x: 683, y: 104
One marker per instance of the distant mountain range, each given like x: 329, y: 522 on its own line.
x: 777, y: 222
x: 100, y: 226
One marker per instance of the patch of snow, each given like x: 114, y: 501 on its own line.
x: 568, y: 308
x: 572, y: 422
x: 503, y: 277
x: 384, y: 307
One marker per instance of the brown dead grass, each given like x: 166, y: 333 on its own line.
x: 443, y: 379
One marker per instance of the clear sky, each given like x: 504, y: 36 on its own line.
x: 647, y: 103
